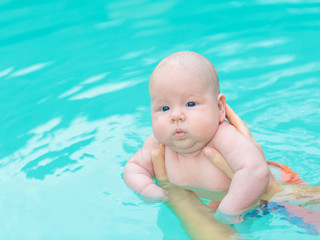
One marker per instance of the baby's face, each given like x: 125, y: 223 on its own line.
x: 184, y: 108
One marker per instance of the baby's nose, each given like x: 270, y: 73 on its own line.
x: 178, y: 116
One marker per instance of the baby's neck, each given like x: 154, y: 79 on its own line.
x: 192, y: 155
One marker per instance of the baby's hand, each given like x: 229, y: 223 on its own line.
x: 152, y: 194
x: 227, y: 218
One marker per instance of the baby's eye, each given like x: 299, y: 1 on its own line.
x: 191, y: 104
x: 165, y: 108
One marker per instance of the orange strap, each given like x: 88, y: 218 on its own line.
x: 288, y: 175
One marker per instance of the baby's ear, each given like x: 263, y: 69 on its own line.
x: 222, y: 107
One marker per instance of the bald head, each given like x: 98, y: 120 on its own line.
x: 188, y: 61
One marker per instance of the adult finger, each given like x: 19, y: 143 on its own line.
x: 236, y: 121
x: 157, y: 154
x: 218, y: 160
x: 240, y: 125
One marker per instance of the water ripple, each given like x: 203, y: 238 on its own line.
x: 312, y: 10
x: 261, y: 62
x: 95, y: 78
x: 267, y: 79
x: 265, y: 2
x: 56, y: 150
x: 6, y: 72
x: 67, y: 129
x: 104, y: 89
x: 30, y: 69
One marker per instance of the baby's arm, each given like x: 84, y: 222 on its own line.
x: 251, y: 176
x: 138, y: 174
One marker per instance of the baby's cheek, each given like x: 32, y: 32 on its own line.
x: 207, y: 129
x: 160, y: 131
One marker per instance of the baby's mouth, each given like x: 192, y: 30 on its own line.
x: 179, y: 133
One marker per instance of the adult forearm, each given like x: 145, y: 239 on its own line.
x: 298, y: 194
x: 197, y: 218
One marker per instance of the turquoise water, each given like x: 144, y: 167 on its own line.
x: 75, y: 106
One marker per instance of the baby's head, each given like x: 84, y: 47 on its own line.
x: 188, y: 61
x: 186, y: 107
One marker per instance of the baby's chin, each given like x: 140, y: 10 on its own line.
x: 194, y: 149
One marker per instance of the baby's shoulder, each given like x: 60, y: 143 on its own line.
x: 149, y: 142
x: 226, y: 134
x: 144, y: 153
x: 225, y: 129
x: 225, y: 126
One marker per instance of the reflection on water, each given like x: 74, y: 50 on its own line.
x: 29, y: 69
x: 235, y: 48
x: 252, y: 63
x: 56, y: 150
x: 75, y: 105
x: 104, y: 89
x: 79, y: 168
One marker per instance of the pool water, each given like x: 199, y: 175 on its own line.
x: 74, y: 105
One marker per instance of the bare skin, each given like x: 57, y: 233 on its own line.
x: 188, y: 114
x: 289, y: 193
x: 197, y: 218
x: 218, y: 160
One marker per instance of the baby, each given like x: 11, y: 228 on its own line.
x: 188, y: 114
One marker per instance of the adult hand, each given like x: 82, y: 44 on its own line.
x: 217, y: 159
x: 175, y: 193
x: 288, y: 193
x: 196, y: 217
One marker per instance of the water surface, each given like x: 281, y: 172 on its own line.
x: 75, y: 105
